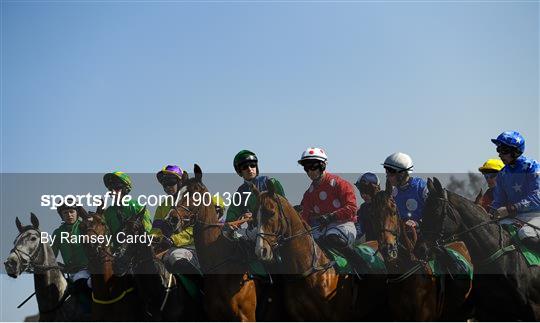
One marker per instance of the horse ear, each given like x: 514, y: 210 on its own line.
x: 185, y: 177
x: 438, y: 187
x: 255, y: 190
x: 34, y: 220
x: 430, y: 186
x: 18, y: 224
x: 271, y: 188
x: 198, y: 173
x: 99, y: 209
x: 478, y: 198
x: 82, y: 212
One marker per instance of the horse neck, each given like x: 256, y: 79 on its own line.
x: 206, y: 230
x: 102, y: 274
x: 299, y: 252
x: 482, y: 241
x: 210, y: 245
x: 144, y: 257
x: 50, y: 284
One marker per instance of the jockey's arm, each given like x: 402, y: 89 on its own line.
x: 532, y: 188
x: 347, y: 197
x: 146, y: 218
x: 233, y: 213
x: 278, y: 187
x: 499, y: 196
x: 306, y: 208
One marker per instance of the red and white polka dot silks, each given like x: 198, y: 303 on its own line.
x: 331, y: 194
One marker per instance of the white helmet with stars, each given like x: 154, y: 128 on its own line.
x: 399, y: 161
x: 313, y: 153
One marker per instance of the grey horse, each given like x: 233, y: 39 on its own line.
x: 30, y: 255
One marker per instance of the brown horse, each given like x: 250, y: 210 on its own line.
x: 230, y: 293
x: 165, y: 297
x: 314, y: 291
x: 416, y: 293
x: 113, y: 296
x: 505, y: 287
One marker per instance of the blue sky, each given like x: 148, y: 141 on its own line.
x: 96, y: 86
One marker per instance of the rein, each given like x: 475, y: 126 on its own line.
x: 281, y: 240
x: 454, y: 237
x: 34, y: 268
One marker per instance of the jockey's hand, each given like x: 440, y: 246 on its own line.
x: 501, y: 212
x: 247, y: 216
x: 326, y: 219
x: 411, y: 223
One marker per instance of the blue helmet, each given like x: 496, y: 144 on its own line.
x: 368, y: 178
x: 512, y: 139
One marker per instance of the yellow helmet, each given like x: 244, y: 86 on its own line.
x: 217, y: 200
x: 492, y: 166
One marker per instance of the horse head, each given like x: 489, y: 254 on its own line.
x: 93, y: 225
x: 439, y: 217
x: 27, y: 248
x: 191, y: 202
x: 387, y: 223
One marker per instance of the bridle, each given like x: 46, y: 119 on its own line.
x: 99, y: 252
x: 29, y: 262
x: 284, y: 235
x: 441, y: 240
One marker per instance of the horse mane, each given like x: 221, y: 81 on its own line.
x: 464, y: 205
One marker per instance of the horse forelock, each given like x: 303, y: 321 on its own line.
x: 24, y: 232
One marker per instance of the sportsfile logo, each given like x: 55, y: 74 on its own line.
x: 53, y: 201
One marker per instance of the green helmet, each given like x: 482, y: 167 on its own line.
x: 109, y: 178
x: 72, y: 206
x: 242, y: 157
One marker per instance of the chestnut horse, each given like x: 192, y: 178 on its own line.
x: 314, y: 290
x: 113, y: 296
x: 415, y: 292
x: 230, y: 293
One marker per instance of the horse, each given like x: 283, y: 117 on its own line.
x: 167, y: 299
x: 113, y: 297
x: 229, y: 290
x: 31, y: 254
x: 314, y: 290
x: 415, y: 292
x: 504, y: 287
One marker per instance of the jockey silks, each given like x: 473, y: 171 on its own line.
x: 332, y: 194
x: 519, y: 185
x: 411, y: 198
x: 234, y: 212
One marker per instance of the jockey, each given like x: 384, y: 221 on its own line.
x: 73, y: 254
x: 490, y: 169
x: 410, y: 193
x: 329, y: 203
x: 120, y: 185
x: 517, y: 194
x: 246, y: 166
x: 368, y: 185
x: 180, y: 256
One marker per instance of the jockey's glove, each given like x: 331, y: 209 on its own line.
x: 501, y: 212
x: 326, y: 219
